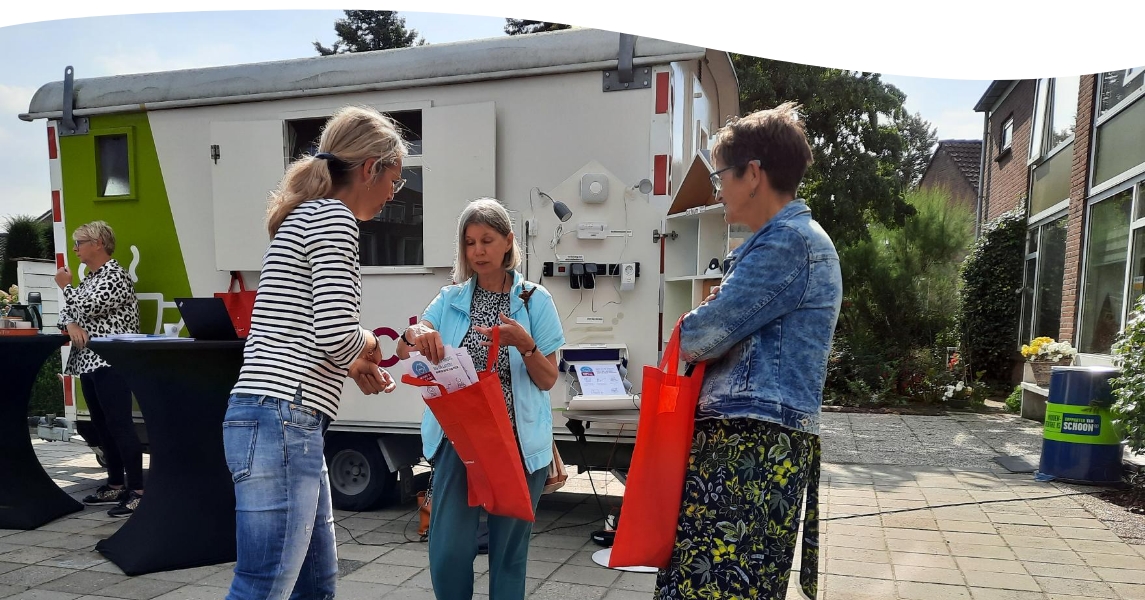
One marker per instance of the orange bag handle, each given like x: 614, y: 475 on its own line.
x: 670, y: 366
x: 235, y: 275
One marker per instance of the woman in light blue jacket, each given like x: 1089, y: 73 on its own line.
x: 488, y: 292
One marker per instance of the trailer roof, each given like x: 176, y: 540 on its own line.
x: 436, y: 64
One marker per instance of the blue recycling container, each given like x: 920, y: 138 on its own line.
x: 1079, y: 442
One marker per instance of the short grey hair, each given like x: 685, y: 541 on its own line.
x: 491, y: 213
x: 97, y: 230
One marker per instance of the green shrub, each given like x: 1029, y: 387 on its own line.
x: 48, y: 392
x: 1014, y: 400
x: 990, y: 307
x: 1129, y: 386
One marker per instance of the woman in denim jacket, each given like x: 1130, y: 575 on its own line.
x: 765, y: 334
x: 488, y: 292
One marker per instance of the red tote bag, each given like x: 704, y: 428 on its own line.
x: 239, y: 304
x: 476, y: 421
x: 646, y: 532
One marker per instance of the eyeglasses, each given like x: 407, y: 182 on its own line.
x: 77, y: 243
x: 399, y: 184
x: 718, y: 182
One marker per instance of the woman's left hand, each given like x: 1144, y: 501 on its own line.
x: 512, y: 334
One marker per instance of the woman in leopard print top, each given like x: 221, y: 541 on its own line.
x: 104, y: 304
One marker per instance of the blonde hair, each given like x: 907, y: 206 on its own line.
x: 97, y: 230
x: 353, y: 135
x: 488, y: 212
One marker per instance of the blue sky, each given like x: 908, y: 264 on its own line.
x: 115, y: 45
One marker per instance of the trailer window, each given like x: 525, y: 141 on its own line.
x: 113, y: 172
x: 303, y: 134
x: 395, y: 236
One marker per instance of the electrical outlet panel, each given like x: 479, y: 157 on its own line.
x: 591, y: 231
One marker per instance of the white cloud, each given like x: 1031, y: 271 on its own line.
x: 958, y: 125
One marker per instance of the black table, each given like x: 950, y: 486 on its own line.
x: 29, y: 498
x: 187, y: 516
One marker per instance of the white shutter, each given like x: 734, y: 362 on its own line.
x: 250, y: 165
x: 459, y: 164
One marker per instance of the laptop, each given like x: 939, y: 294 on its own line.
x: 207, y: 318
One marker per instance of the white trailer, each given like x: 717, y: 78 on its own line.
x: 180, y: 163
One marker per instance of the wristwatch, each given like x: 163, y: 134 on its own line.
x: 530, y: 352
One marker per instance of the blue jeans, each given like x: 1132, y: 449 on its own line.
x: 453, y: 535
x: 284, y: 517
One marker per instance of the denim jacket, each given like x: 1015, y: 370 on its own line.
x: 449, y: 314
x: 767, y: 335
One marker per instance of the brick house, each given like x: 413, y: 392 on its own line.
x: 1071, y: 151
x: 955, y: 167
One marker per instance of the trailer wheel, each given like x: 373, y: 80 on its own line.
x: 98, y: 451
x: 359, y: 475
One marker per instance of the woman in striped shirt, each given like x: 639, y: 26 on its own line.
x: 305, y: 338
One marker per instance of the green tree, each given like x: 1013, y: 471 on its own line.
x: 522, y: 26
x: 918, y: 139
x: 25, y: 240
x: 367, y: 30
x: 852, y: 124
x: 900, y: 299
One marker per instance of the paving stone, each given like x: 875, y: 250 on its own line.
x: 928, y: 575
x: 859, y: 569
x: 990, y: 565
x: 385, y: 574
x: 139, y: 588
x: 596, y: 576
x: 555, y: 590
x: 1004, y: 581
x: 1076, y: 587
x: 33, y: 575
x: 910, y: 590
x: 937, y: 561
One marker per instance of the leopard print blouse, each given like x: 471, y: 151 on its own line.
x: 484, y: 312
x: 103, y: 304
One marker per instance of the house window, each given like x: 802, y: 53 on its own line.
x: 1106, y: 254
x: 1007, y: 135
x: 1118, y: 86
x: 113, y: 165
x: 1055, y: 116
x: 1119, y: 150
x: 395, y: 236
x: 1044, y: 273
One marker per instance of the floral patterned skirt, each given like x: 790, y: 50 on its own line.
x: 739, y: 521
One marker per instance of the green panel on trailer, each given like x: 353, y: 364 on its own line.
x: 140, y: 217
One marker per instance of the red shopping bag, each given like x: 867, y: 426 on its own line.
x: 646, y: 532
x: 476, y: 421
x: 239, y: 304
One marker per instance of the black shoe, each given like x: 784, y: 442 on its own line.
x: 105, y: 495
x: 126, y: 506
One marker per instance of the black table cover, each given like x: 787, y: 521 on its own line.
x: 29, y: 498
x: 187, y: 516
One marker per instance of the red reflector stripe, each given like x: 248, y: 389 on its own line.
x: 59, y: 261
x: 57, y: 213
x: 660, y: 175
x: 662, y: 93
x: 52, y: 143
x: 69, y: 398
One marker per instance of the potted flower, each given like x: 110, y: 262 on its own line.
x: 12, y: 296
x: 1043, y: 354
x: 958, y: 394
